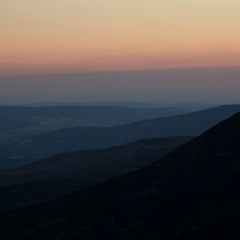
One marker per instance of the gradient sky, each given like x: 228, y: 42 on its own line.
x: 54, y: 36
x: 217, y: 86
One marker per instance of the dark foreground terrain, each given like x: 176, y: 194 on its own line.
x: 193, y: 193
x: 69, y: 172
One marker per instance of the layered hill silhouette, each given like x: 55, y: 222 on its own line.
x: 193, y: 193
x: 69, y: 172
x: 15, y: 121
x: 74, y: 139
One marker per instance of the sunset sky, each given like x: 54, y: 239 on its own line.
x: 63, y: 50
x: 52, y: 36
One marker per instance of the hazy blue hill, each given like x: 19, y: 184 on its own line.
x: 68, y: 172
x: 189, y: 106
x: 25, y: 120
x: 74, y: 139
x: 193, y: 193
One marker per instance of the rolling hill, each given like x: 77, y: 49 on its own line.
x: 23, y: 121
x: 68, y: 172
x: 74, y: 139
x: 193, y: 193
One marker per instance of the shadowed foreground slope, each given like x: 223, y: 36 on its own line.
x: 69, y: 172
x: 193, y: 193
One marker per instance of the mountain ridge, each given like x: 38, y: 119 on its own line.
x: 193, y: 193
x: 74, y: 139
x: 69, y: 172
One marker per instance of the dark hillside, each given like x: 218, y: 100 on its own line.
x: 69, y: 172
x: 193, y: 193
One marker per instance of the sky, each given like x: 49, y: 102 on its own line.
x: 148, y: 50
x: 52, y: 36
x: 209, y: 86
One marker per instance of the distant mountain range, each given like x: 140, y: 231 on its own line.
x: 189, y: 106
x: 79, y: 138
x: 193, y: 193
x: 23, y: 121
x: 68, y: 172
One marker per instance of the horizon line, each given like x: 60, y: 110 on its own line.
x: 130, y: 70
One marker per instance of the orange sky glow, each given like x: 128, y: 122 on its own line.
x: 54, y: 36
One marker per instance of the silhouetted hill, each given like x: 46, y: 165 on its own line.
x: 193, y: 193
x: 28, y: 120
x: 69, y: 172
x: 189, y: 106
x: 74, y: 139
x: 120, y: 159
